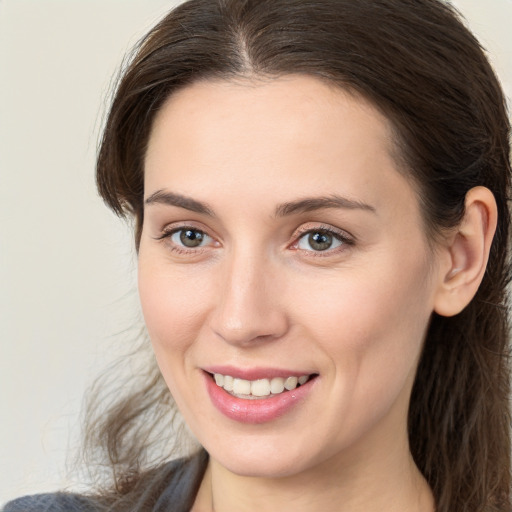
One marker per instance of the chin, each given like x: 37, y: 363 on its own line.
x: 260, y: 468
x: 259, y: 461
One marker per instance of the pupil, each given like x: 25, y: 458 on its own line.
x: 320, y: 241
x: 190, y: 238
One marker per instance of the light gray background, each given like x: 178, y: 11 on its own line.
x: 67, y: 274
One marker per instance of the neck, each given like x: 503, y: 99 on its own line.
x: 353, y: 482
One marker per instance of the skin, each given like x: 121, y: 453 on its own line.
x: 255, y: 293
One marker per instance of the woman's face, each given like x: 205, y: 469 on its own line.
x: 281, y: 242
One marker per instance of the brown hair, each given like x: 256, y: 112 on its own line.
x: 416, y: 61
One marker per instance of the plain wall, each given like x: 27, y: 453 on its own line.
x: 67, y: 273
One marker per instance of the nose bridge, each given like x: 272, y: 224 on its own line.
x: 248, y: 303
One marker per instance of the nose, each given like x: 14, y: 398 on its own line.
x: 248, y: 307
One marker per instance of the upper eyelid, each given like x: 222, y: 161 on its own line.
x: 177, y: 226
x: 302, y: 230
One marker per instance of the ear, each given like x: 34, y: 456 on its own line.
x: 466, y: 253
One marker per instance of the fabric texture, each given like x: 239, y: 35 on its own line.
x: 56, y: 502
x: 170, y: 488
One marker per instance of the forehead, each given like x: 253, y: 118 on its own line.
x: 290, y: 136
x: 301, y: 104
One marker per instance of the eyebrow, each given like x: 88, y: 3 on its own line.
x: 172, y: 199
x: 310, y: 204
x: 305, y: 205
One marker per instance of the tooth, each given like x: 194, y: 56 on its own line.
x: 228, y: 383
x: 290, y: 383
x: 260, y: 387
x: 241, y: 387
x: 277, y: 385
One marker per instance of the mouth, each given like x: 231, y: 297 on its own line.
x: 260, y: 388
x: 262, y: 396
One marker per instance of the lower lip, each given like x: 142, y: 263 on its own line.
x: 259, y: 410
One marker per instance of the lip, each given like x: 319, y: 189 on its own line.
x: 254, y: 373
x: 259, y: 410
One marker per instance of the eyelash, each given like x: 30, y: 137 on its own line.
x: 169, y: 232
x: 344, y: 238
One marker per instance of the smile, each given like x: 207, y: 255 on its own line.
x: 260, y: 388
x: 258, y: 399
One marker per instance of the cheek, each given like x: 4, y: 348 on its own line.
x: 366, y: 305
x: 170, y: 304
x: 173, y: 317
x: 371, y: 323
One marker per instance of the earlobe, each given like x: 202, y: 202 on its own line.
x: 467, y: 253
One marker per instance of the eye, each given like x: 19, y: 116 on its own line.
x: 189, y: 238
x: 320, y: 240
x: 186, y: 240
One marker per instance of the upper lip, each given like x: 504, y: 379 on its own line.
x: 254, y: 373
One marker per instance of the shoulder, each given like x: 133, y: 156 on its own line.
x: 54, y: 502
x: 172, y: 486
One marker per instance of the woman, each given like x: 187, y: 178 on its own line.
x: 319, y: 191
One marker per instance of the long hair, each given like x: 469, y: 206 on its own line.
x: 418, y: 64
